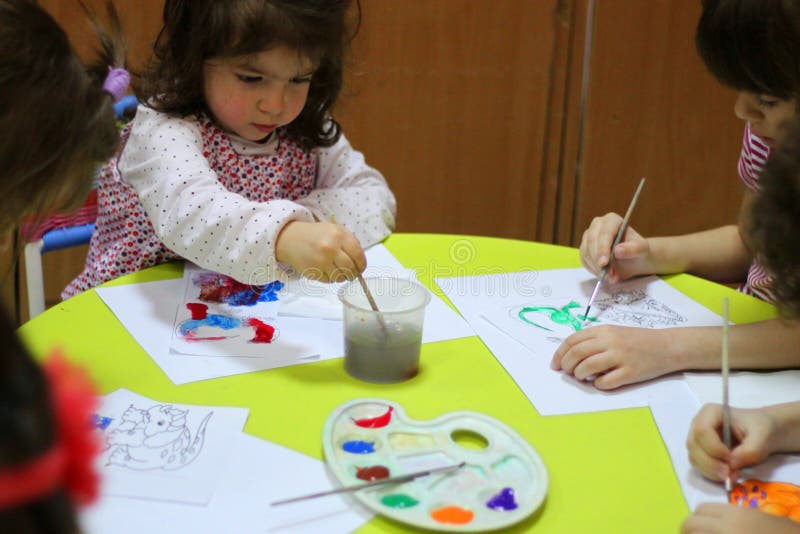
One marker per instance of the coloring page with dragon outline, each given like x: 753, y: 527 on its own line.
x: 163, y: 450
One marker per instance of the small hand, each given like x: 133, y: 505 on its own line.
x: 615, y: 355
x: 718, y: 518
x: 751, y: 431
x: 631, y: 256
x: 321, y: 251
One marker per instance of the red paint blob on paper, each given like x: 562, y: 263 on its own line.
x: 199, y: 311
x: 264, y: 332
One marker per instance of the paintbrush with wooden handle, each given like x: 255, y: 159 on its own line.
x: 617, y: 239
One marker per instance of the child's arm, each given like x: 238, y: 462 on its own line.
x: 194, y: 215
x: 352, y: 193
x: 719, y: 254
x: 719, y: 518
x: 620, y: 355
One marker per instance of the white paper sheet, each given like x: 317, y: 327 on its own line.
x: 673, y: 416
x: 147, y: 312
x: 258, y: 473
x: 491, y: 304
x: 747, y: 389
x: 164, y: 451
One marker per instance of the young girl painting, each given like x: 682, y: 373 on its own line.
x: 233, y: 160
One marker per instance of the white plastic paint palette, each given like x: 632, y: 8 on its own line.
x: 503, y: 482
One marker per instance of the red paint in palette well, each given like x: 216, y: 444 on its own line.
x: 375, y: 422
x: 264, y: 332
x: 374, y: 472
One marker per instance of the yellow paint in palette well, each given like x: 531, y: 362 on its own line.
x: 410, y: 440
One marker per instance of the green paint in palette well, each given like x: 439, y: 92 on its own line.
x: 399, y: 500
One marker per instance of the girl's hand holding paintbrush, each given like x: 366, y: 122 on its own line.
x: 632, y: 256
x: 321, y: 251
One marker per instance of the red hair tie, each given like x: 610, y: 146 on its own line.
x: 70, y: 461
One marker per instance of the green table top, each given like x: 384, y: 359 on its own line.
x: 609, y: 471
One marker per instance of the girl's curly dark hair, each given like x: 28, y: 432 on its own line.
x: 775, y: 219
x: 197, y: 30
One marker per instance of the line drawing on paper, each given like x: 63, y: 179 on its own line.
x: 154, y: 438
x: 631, y: 307
x: 635, y: 308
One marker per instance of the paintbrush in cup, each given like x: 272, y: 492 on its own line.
x: 369, y: 296
x: 617, y: 239
x: 373, y: 305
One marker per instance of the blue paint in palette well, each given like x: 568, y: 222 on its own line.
x: 359, y: 447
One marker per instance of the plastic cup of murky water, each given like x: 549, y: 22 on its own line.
x: 383, y: 346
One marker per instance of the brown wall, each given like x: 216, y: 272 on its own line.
x: 654, y: 111
x: 451, y: 104
x: 471, y: 108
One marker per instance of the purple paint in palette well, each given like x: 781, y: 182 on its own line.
x: 503, y: 500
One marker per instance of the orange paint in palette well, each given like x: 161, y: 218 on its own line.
x: 454, y: 515
x: 775, y: 498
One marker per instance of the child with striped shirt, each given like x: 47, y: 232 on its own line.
x: 751, y: 46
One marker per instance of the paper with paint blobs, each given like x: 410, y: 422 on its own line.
x: 163, y: 450
x: 219, y: 316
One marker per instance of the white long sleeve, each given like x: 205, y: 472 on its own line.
x: 191, y: 211
x: 353, y: 193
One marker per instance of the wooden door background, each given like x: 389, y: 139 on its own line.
x: 472, y: 110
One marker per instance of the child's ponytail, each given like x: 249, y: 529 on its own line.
x: 108, y: 68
